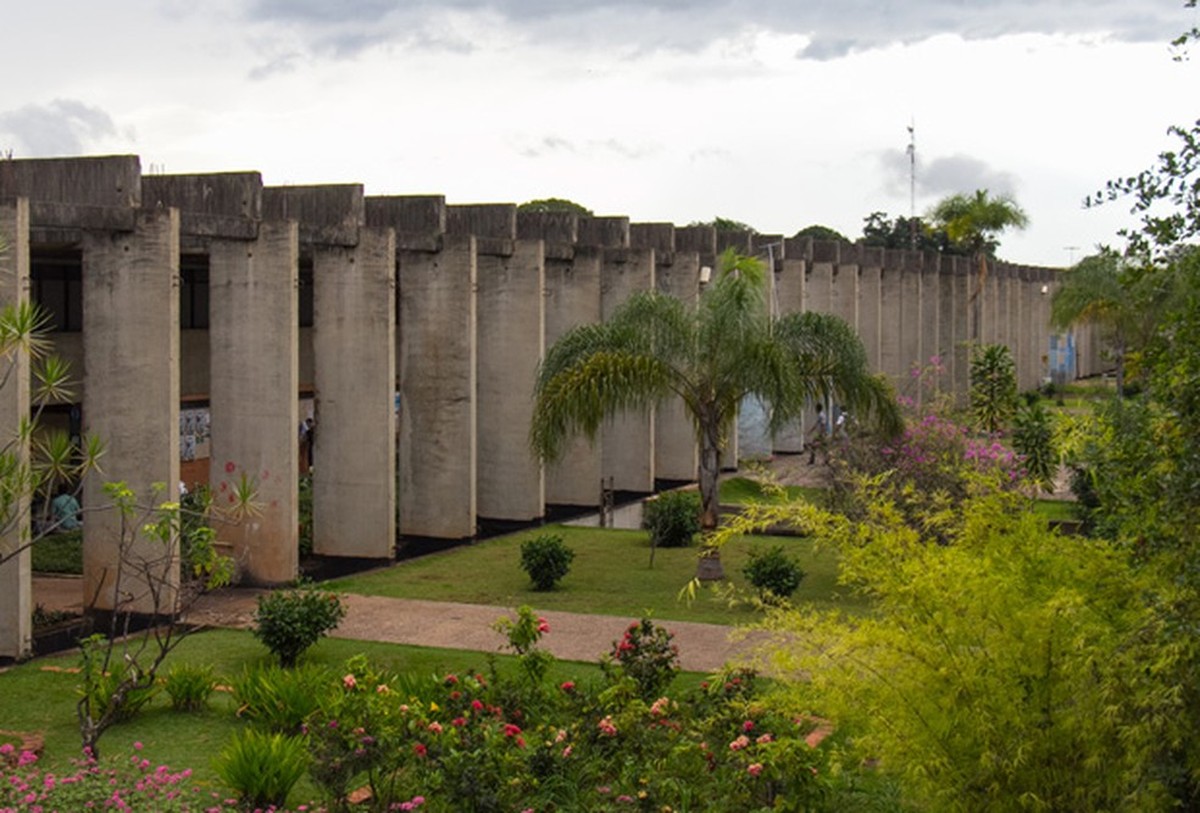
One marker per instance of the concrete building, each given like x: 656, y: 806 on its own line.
x: 207, y: 316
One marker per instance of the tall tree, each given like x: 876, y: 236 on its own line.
x: 711, y: 355
x: 975, y: 222
x: 725, y: 224
x: 555, y: 205
x: 1126, y: 302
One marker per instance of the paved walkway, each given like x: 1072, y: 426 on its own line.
x: 450, y: 625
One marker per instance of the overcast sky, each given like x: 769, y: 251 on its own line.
x: 779, y: 113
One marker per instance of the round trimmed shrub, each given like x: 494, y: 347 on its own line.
x: 290, y: 621
x: 672, y: 518
x: 546, y: 559
x: 773, y: 572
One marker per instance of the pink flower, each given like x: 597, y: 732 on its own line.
x: 450, y: 680
x: 137, y: 746
x: 543, y: 626
x: 740, y: 743
x: 420, y: 750
x: 382, y: 688
x: 349, y: 682
x: 764, y: 739
x: 511, y: 730
x: 754, y: 769
x: 458, y: 722
x: 567, y: 686
x: 748, y: 725
x: 435, y: 727
x: 607, y: 727
x: 477, y: 705
x: 230, y: 466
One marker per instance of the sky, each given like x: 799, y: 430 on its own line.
x: 777, y: 113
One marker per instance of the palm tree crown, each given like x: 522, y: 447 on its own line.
x: 711, y: 356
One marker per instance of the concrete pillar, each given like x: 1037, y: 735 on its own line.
x: 677, y: 275
x: 354, y: 482
x: 509, y: 324
x: 869, y: 305
x: 790, y: 296
x: 627, y: 450
x: 131, y: 400
x: 911, y: 351
x: 891, y: 357
x: 709, y: 243
x: 818, y: 286
x: 437, y: 367
x: 932, y: 344
x: 844, y: 284
x: 353, y: 269
x: 254, y: 374
x: 438, y: 391
x: 955, y: 311
x: 572, y: 299
x: 16, y: 588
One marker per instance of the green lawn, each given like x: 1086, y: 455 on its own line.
x: 33, y: 699
x: 58, y: 553
x: 747, y: 491
x: 611, y: 575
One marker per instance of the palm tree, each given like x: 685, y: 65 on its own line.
x: 711, y: 355
x: 974, y: 222
x: 1123, y: 301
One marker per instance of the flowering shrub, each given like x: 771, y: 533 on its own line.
x: 132, y: 785
x: 646, y: 655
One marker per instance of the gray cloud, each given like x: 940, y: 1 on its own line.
x: 62, y: 127
x: 835, y: 28
x: 943, y: 176
x: 597, y: 148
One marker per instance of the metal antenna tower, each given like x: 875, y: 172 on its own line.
x: 912, y: 184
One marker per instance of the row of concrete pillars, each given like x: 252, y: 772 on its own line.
x: 449, y: 306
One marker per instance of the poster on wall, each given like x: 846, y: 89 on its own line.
x: 194, y: 435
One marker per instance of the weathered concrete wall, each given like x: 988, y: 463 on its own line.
x: 253, y: 350
x: 16, y: 590
x: 354, y: 483
x: 677, y: 275
x: 131, y: 397
x: 437, y: 391
x: 572, y: 299
x: 869, y: 305
x: 627, y: 451
x: 509, y: 325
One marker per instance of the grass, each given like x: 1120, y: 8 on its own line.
x: 611, y: 575
x: 37, y: 700
x: 1056, y: 510
x: 58, y: 553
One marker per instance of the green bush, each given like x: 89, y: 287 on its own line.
x: 262, y: 768
x: 672, y: 518
x: 1033, y: 439
x: 189, y: 686
x: 278, y: 699
x: 546, y: 559
x: 773, y: 572
x: 646, y: 655
x: 993, y: 386
x: 288, y: 622
x: 305, y: 506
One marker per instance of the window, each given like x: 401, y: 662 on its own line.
x: 306, y: 293
x: 56, y: 280
x: 193, y: 292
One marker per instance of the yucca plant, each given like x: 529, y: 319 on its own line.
x: 262, y: 767
x: 993, y: 386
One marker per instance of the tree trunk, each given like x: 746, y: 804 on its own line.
x: 709, y: 567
